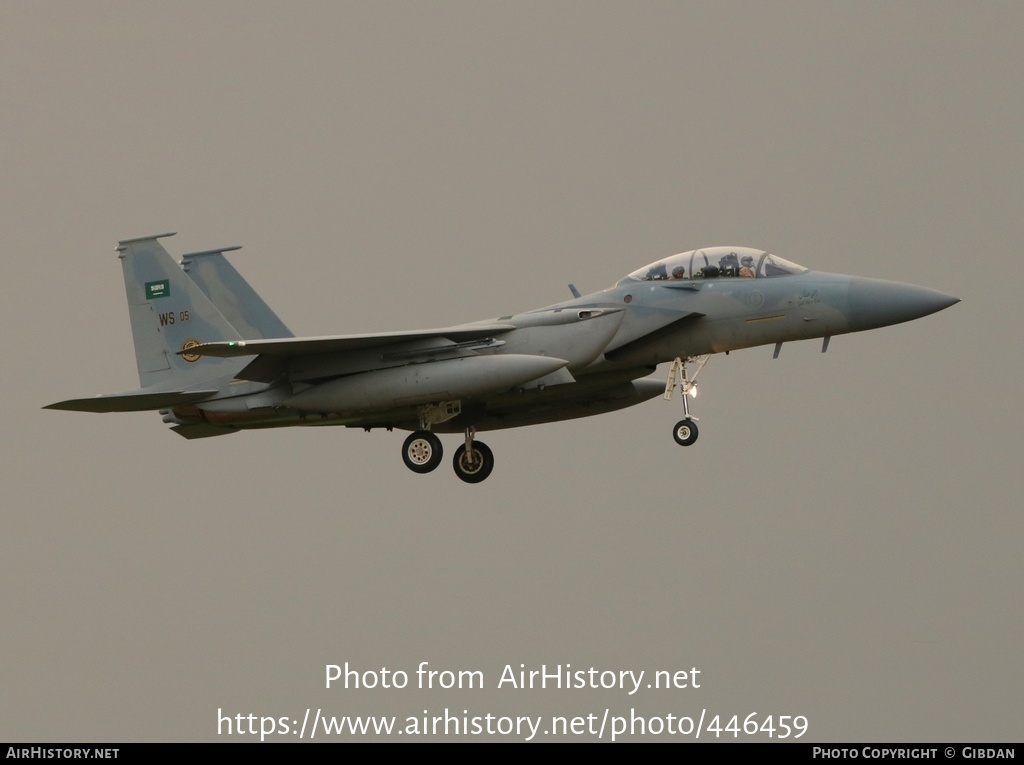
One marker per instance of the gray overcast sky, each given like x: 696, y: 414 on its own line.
x: 842, y: 543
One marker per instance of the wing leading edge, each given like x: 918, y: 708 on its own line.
x: 302, y: 346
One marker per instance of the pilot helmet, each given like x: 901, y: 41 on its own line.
x: 679, y: 272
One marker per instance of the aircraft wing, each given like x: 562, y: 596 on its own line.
x: 301, y: 346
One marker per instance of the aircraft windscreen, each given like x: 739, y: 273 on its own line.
x: 716, y: 262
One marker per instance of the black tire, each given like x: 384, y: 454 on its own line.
x: 422, y: 451
x: 479, y: 469
x: 685, y: 432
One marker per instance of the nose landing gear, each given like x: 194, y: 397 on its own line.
x: 685, y: 431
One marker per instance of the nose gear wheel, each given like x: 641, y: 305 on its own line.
x: 685, y: 432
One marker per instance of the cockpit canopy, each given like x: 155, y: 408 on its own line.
x: 715, y: 263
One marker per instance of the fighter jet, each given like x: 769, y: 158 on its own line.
x: 213, y: 358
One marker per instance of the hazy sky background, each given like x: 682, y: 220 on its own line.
x: 842, y: 543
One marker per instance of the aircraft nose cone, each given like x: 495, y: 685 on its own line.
x: 878, y: 303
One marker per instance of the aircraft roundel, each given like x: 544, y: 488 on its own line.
x: 190, y: 343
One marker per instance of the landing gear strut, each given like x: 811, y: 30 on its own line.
x: 473, y: 460
x: 422, y: 451
x: 685, y: 431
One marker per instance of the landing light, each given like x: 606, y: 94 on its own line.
x: 691, y: 390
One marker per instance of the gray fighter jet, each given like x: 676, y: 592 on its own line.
x: 213, y: 358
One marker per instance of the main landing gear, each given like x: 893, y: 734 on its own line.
x: 422, y: 451
x: 685, y: 431
x: 473, y: 460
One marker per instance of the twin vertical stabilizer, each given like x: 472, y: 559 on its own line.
x: 227, y: 289
x: 169, y: 314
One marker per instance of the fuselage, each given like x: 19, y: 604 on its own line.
x: 663, y: 320
x: 707, y: 301
x: 582, y: 356
x: 213, y: 358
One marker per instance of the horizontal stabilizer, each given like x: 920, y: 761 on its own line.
x: 132, y: 402
x: 301, y: 346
